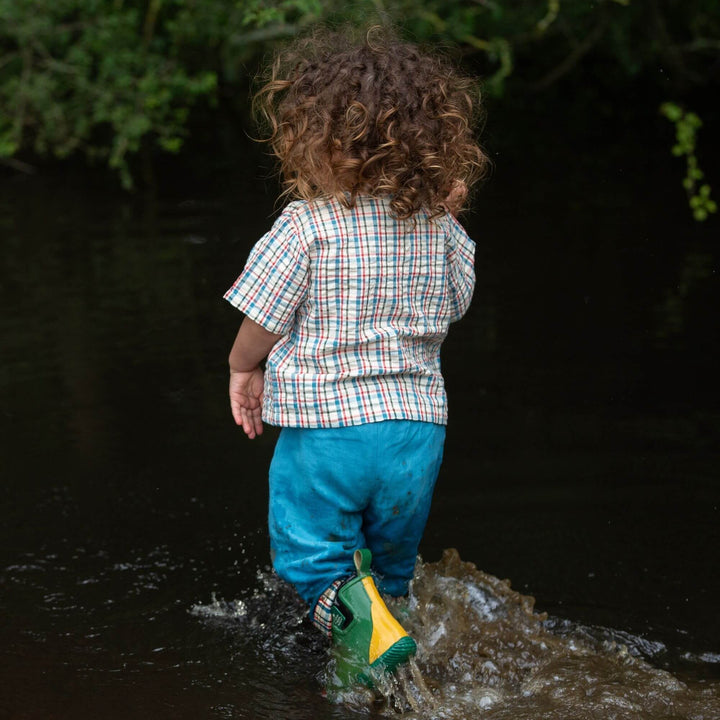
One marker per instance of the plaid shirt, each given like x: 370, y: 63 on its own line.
x: 363, y: 302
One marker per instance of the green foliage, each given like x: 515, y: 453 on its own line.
x: 106, y: 78
x: 261, y: 13
x: 686, y: 126
x: 93, y: 77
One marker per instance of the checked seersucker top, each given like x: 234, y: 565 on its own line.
x: 363, y: 301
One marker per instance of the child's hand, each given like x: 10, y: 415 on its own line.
x: 456, y: 197
x: 246, y: 395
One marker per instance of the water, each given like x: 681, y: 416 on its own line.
x: 581, y: 462
x: 482, y: 651
x: 483, y: 645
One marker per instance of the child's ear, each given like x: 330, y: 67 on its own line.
x: 456, y: 197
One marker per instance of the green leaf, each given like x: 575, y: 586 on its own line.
x: 171, y: 144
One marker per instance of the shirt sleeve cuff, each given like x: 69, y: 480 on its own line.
x: 256, y: 314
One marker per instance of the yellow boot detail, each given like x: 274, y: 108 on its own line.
x: 386, y: 630
x: 365, y: 635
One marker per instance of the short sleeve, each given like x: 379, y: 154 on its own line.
x: 460, y: 252
x: 274, y: 282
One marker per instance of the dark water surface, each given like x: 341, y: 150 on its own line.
x: 582, y: 459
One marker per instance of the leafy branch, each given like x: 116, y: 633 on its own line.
x: 109, y: 78
x: 104, y: 87
x: 687, y: 125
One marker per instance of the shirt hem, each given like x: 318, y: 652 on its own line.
x: 368, y: 420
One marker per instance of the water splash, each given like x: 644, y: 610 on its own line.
x: 218, y: 608
x: 483, y: 652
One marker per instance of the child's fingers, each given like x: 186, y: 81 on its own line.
x: 256, y: 419
x: 237, y: 410
x: 236, y: 413
x: 258, y: 426
x: 247, y: 425
x: 252, y: 422
x: 246, y: 394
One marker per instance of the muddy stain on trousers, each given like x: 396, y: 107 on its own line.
x: 335, y: 490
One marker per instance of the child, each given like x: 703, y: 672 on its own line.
x: 350, y: 296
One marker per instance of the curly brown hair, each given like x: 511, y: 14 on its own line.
x: 377, y: 117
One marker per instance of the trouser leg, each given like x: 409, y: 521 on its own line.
x: 394, y: 521
x: 317, y: 493
x: 336, y: 490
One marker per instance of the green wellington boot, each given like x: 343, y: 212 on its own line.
x: 367, y: 639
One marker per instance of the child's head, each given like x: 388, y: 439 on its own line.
x: 371, y: 118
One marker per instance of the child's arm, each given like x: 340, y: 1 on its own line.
x: 251, y: 345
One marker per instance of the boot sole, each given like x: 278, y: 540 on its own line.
x: 396, y: 655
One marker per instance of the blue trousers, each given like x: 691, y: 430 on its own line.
x: 335, y: 490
